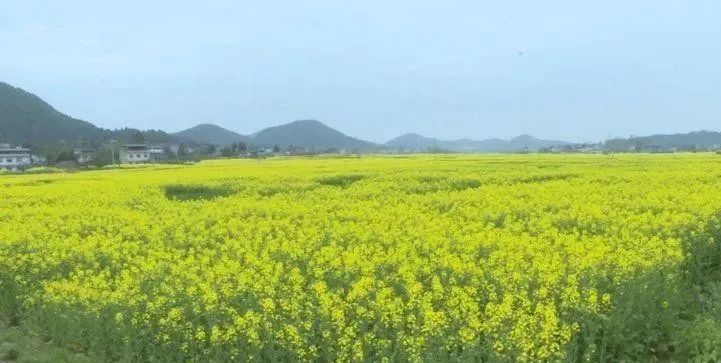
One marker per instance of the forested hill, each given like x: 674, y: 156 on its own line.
x: 691, y: 141
x: 419, y: 142
x: 211, y: 134
x: 26, y: 119
x: 308, y: 133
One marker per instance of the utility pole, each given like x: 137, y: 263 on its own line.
x: 112, y: 150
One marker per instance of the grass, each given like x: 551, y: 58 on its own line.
x: 18, y: 344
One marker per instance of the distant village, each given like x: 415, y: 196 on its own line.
x: 18, y: 158
x: 15, y: 158
x: 38, y: 138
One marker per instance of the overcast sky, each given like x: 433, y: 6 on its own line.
x: 577, y: 70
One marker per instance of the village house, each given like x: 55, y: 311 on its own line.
x: 14, y: 158
x: 157, y: 153
x: 134, y: 153
x: 84, y: 156
x: 38, y: 159
x: 265, y: 150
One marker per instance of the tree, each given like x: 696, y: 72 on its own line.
x: 64, y: 155
x: 168, y: 151
x: 182, y: 150
x: 104, y: 156
x: 136, y: 137
x: 227, y: 151
x: 276, y: 149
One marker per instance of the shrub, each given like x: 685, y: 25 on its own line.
x: 186, y: 192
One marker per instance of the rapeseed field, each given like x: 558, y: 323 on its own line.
x: 515, y: 258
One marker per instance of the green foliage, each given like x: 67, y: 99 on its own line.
x: 22, y: 344
x: 11, y: 354
x: 44, y: 170
x: 106, y: 155
x: 342, y: 180
x: 186, y: 192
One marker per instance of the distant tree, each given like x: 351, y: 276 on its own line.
x: 136, y: 137
x: 64, y: 155
x: 639, y: 147
x: 169, y: 152
x: 227, y: 151
x: 182, y: 150
x: 84, y: 142
x: 276, y: 149
x: 212, y: 149
x: 104, y: 156
x: 242, y: 147
x: 155, y: 136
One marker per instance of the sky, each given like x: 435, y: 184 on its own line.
x: 573, y: 70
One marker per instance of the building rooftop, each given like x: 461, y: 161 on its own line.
x: 14, y: 150
x: 135, y: 146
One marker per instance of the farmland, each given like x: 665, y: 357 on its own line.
x: 419, y: 258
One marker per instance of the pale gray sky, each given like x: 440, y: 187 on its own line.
x: 576, y: 70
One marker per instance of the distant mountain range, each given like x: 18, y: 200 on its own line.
x: 306, y: 134
x: 688, y: 141
x: 25, y: 119
x: 418, y: 142
x: 312, y: 133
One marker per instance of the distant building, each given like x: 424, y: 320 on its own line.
x: 14, y: 158
x: 178, y: 149
x: 174, y: 148
x: 38, y: 159
x: 134, y: 153
x: 84, y: 156
x: 157, y: 153
x: 264, y: 151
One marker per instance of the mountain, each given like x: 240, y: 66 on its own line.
x: 419, y: 142
x: 412, y: 141
x: 27, y: 119
x: 211, y: 134
x: 308, y: 134
x: 532, y: 143
x: 688, y: 141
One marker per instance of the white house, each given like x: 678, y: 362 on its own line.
x: 38, y: 159
x: 14, y: 158
x: 134, y: 153
x: 84, y: 156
